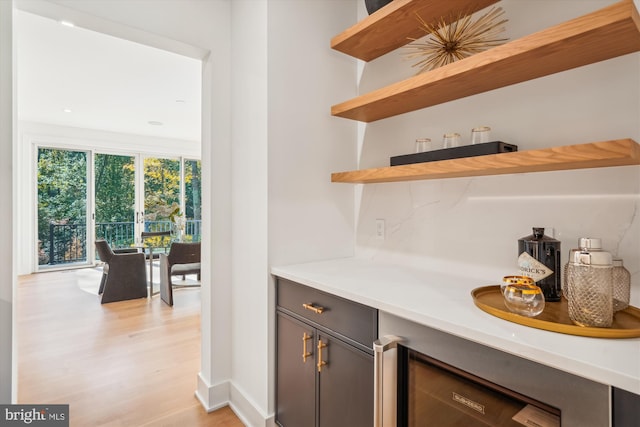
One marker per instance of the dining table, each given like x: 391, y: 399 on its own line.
x: 148, y: 248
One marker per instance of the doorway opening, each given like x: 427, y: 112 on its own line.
x: 115, y: 128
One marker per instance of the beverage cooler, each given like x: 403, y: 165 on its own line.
x: 428, y: 378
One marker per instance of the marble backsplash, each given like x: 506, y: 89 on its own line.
x: 472, y: 225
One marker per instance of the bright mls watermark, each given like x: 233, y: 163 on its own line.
x: 34, y: 415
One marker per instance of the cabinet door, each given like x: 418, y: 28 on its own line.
x: 346, y: 385
x: 626, y: 408
x: 295, y: 377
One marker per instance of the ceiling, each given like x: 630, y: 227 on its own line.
x: 107, y: 83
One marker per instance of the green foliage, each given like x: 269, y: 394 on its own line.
x: 161, y: 188
x: 62, y: 188
x: 115, y: 188
x: 193, y: 189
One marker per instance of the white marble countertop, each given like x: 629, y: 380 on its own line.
x: 444, y: 302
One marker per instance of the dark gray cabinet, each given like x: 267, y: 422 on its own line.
x: 324, y: 361
x: 296, y: 383
x: 626, y: 408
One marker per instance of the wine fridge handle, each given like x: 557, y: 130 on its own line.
x: 380, y: 346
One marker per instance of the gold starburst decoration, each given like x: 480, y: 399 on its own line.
x: 461, y: 38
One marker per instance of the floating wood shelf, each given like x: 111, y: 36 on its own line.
x: 393, y: 25
x: 621, y: 152
x: 607, y: 33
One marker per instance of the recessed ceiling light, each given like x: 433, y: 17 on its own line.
x: 67, y: 23
x: 154, y: 123
x: 67, y: 110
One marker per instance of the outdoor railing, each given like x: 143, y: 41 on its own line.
x: 66, y: 243
x: 117, y: 234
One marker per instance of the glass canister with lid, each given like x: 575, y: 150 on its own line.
x: 590, y: 284
x: 621, y: 285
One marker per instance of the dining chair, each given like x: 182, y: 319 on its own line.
x: 182, y: 259
x: 123, y: 274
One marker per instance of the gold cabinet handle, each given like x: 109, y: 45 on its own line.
x: 321, y: 362
x: 305, y: 354
x: 317, y: 310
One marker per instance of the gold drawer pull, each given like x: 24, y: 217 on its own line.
x: 317, y: 310
x: 321, y: 362
x: 305, y: 354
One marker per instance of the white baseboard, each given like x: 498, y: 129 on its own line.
x: 247, y: 411
x: 217, y: 396
x: 212, y: 397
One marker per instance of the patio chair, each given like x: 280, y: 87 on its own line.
x: 123, y: 276
x: 182, y: 259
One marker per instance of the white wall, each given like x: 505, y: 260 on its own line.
x: 249, y: 388
x: 473, y: 224
x: 7, y: 135
x: 285, y: 145
x: 309, y: 217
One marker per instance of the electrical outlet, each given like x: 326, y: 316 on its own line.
x: 380, y: 229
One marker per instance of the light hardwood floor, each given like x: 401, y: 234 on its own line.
x: 130, y: 363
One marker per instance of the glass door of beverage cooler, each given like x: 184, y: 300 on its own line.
x: 440, y: 395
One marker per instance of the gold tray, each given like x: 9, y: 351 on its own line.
x: 555, y: 317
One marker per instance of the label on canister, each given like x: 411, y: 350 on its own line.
x: 529, y: 266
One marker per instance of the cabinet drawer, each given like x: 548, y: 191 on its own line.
x: 350, y: 319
